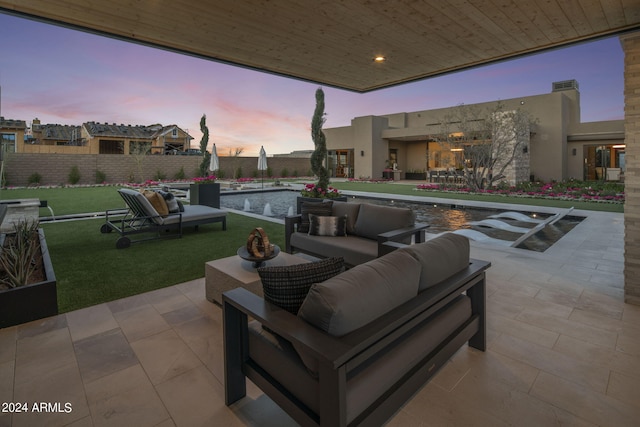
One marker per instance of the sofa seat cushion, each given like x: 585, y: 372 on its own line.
x: 278, y: 357
x: 355, y: 250
x: 376, y: 377
x: 376, y: 219
x: 440, y: 257
x: 194, y: 213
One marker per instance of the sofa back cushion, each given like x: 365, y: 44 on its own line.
x: 350, y: 210
x: 440, y: 258
x: 376, y: 219
x: 358, y: 296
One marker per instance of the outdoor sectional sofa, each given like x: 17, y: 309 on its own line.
x: 364, y: 341
x: 367, y: 228
x: 143, y: 217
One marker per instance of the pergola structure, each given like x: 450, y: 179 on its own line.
x: 363, y: 45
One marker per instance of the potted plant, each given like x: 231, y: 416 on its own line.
x: 320, y: 190
x: 28, y: 289
x: 205, y: 190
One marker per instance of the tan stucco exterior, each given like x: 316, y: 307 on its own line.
x: 557, y: 132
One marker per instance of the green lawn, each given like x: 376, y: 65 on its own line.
x: 69, y: 200
x: 405, y: 189
x: 90, y: 270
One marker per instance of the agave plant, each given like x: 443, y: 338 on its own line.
x: 18, y: 255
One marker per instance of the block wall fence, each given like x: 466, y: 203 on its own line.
x: 54, y: 169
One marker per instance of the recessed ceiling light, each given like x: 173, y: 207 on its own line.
x: 379, y: 58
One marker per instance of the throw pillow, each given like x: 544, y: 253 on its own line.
x: 287, y: 286
x: 320, y: 209
x: 180, y: 206
x: 157, y: 201
x: 327, y: 225
x: 171, y: 201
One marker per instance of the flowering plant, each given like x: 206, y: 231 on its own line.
x: 205, y: 179
x: 312, y: 190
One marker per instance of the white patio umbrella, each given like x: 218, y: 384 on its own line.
x: 214, y: 164
x: 262, y: 163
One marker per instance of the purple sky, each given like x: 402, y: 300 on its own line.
x: 69, y: 77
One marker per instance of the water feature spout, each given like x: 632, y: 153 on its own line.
x: 267, y: 210
x: 247, y: 205
x: 290, y: 211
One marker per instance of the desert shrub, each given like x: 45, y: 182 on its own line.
x: 238, y: 173
x: 180, y: 174
x: 160, y: 176
x: 284, y: 172
x: 100, y: 177
x: 74, y: 175
x: 34, y: 179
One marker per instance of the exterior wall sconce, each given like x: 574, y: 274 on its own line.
x: 574, y: 151
x: 362, y: 153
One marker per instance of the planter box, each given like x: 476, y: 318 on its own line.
x: 301, y: 199
x: 31, y: 302
x: 415, y: 175
x: 205, y: 194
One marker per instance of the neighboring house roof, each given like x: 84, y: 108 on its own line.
x: 118, y: 131
x: 128, y: 131
x: 12, y: 124
x: 60, y: 132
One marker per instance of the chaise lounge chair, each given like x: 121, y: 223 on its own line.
x: 142, y: 217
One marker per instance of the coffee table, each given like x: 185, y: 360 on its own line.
x: 224, y: 274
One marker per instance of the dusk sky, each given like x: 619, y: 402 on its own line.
x: 68, y: 77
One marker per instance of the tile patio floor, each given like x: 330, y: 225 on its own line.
x: 563, y: 350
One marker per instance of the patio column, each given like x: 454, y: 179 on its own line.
x: 631, y: 48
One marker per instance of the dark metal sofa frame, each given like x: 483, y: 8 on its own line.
x: 339, y: 356
x: 138, y: 220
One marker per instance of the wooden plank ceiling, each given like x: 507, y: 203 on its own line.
x: 334, y: 42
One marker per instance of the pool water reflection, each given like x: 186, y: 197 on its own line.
x: 441, y: 218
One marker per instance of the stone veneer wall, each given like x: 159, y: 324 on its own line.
x: 55, y: 168
x: 631, y: 47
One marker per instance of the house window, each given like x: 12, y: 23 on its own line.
x: 8, y: 143
x: 174, y: 133
x: 111, y: 147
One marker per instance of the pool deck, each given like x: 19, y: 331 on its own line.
x: 563, y: 349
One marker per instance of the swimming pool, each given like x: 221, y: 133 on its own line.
x: 441, y: 217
